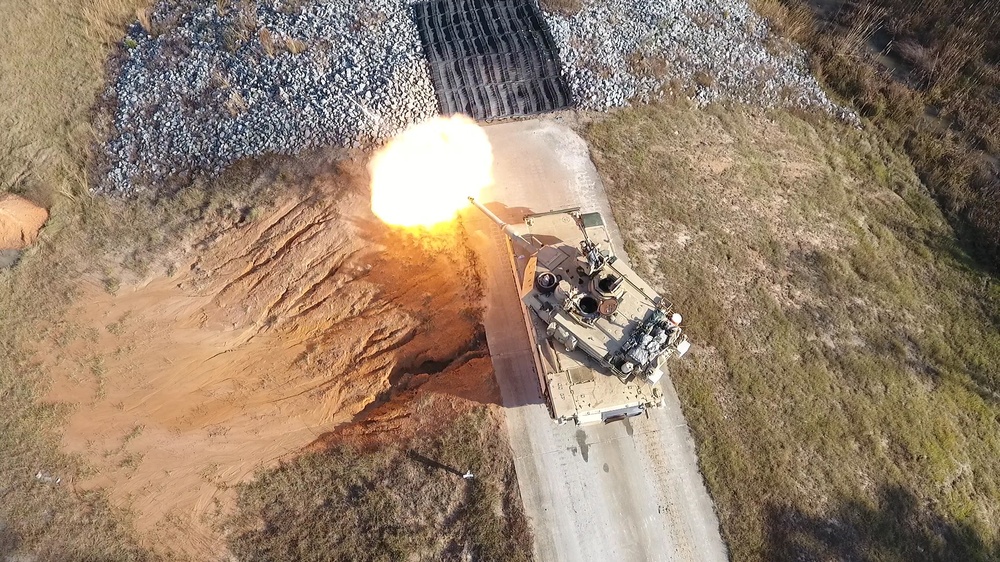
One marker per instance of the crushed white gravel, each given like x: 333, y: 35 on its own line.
x: 207, y: 89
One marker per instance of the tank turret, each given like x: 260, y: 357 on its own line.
x: 603, y: 335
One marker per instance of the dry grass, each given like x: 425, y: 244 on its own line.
x: 845, y: 381
x: 654, y: 66
x: 51, y: 69
x: 44, y: 145
x: 266, y: 41
x: 236, y: 104
x: 562, y: 7
x: 145, y: 18
x: 704, y: 79
x: 393, y: 503
x: 932, y: 91
x: 294, y: 46
x: 45, y: 132
x: 114, y: 242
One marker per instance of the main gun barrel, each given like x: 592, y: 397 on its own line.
x: 503, y: 226
x: 506, y: 228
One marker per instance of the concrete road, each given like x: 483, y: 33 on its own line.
x: 619, y: 492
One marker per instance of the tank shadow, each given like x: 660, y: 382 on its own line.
x: 511, y: 351
x: 431, y: 463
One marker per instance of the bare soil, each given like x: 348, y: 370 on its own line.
x: 20, y: 221
x: 260, y: 340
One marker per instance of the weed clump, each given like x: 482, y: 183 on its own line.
x: 562, y: 7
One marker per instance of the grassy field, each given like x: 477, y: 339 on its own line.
x: 844, y: 385
x: 927, y: 75
x: 51, y: 57
x: 51, y: 70
x: 405, y: 501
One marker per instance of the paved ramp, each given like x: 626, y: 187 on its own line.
x: 624, y: 491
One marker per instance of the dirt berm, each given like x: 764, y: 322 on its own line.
x: 264, y: 337
x: 20, y: 221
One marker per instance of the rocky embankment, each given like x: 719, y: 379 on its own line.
x: 209, y: 86
x: 615, y: 52
x: 197, y: 88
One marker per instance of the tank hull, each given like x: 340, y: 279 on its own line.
x: 578, y: 381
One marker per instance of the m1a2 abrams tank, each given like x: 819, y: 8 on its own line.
x: 602, y: 335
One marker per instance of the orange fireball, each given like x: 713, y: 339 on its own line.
x: 425, y: 175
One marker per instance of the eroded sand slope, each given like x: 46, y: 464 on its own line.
x: 266, y: 336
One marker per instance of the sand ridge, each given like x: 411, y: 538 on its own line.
x: 269, y: 335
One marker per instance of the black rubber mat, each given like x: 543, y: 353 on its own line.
x: 491, y: 59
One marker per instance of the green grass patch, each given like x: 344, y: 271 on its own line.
x: 842, y: 385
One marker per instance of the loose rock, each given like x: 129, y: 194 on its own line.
x: 207, y: 86
x: 615, y: 52
x: 211, y: 88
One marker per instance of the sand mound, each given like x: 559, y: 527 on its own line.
x: 20, y: 221
x: 272, y: 334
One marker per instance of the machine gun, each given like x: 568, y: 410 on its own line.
x: 593, y: 258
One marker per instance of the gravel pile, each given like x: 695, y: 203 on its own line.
x: 213, y: 88
x: 618, y: 51
x: 207, y: 87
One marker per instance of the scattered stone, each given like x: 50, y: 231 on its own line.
x: 9, y: 258
x: 47, y: 478
x: 214, y: 83
x: 207, y: 91
x: 616, y: 52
